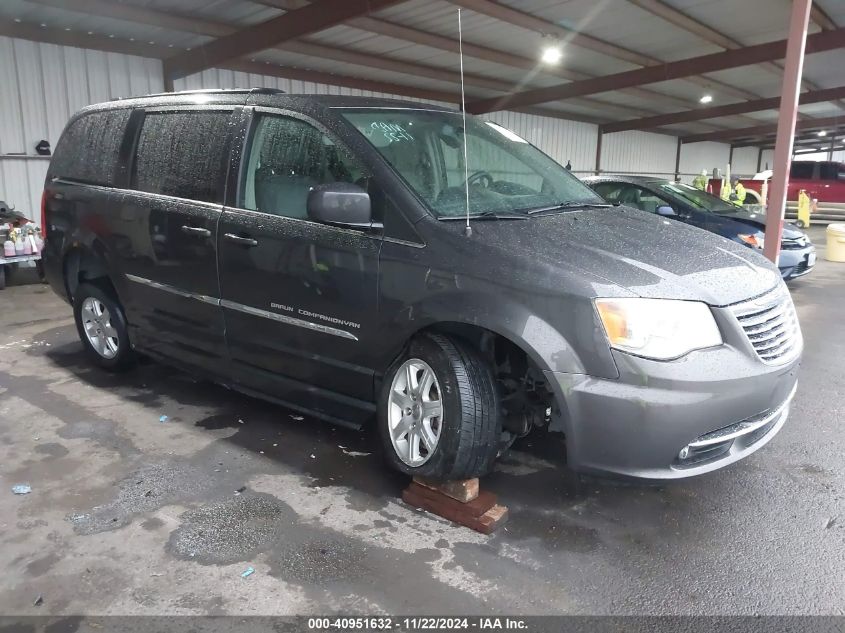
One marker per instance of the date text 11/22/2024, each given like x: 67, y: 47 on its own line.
x: 420, y: 623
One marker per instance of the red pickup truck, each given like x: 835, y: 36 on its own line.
x: 823, y: 181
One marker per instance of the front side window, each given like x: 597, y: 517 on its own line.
x: 502, y: 172
x: 288, y: 157
x: 88, y: 149
x: 182, y: 154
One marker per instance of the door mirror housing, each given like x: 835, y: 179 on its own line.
x: 666, y: 211
x: 340, y: 204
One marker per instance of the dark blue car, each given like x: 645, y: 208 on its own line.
x: 690, y: 205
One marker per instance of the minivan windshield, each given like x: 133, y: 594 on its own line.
x: 698, y: 198
x: 508, y: 177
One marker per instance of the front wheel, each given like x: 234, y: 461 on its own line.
x: 102, y: 327
x: 439, y: 413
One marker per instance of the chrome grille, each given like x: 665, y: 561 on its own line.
x: 771, y: 325
x: 797, y: 243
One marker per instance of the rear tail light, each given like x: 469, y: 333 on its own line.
x: 44, y: 214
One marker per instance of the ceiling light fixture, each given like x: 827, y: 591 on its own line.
x: 706, y: 99
x: 551, y: 55
x: 822, y: 133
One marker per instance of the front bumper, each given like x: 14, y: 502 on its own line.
x: 669, y: 420
x: 796, y: 262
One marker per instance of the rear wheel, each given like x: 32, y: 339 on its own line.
x: 101, y: 325
x: 439, y: 411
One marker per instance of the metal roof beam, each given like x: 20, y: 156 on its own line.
x: 762, y: 130
x: 683, y: 21
x: 76, y: 39
x: 444, y: 43
x: 701, y: 114
x: 198, y: 26
x: 821, y: 19
x: 749, y: 55
x: 311, y: 18
x: 570, y: 36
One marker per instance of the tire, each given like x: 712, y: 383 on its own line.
x: 113, y: 353
x: 469, y: 427
x: 800, y: 224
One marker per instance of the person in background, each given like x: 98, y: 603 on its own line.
x: 738, y: 192
x: 700, y: 181
x: 804, y: 208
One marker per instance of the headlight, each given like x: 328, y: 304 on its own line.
x: 662, y: 329
x: 755, y: 240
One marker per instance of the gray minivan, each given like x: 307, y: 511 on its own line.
x: 316, y: 251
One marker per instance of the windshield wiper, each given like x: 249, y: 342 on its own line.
x: 488, y: 215
x: 569, y: 205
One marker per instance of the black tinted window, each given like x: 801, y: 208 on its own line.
x: 182, y: 154
x: 287, y: 157
x: 88, y: 149
x: 829, y: 171
x: 802, y: 170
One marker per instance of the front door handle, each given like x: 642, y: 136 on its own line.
x: 243, y: 241
x: 196, y: 230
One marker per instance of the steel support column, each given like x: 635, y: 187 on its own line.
x: 678, y: 160
x: 598, y: 152
x: 793, y: 69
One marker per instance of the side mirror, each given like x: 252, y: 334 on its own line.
x: 666, y: 211
x: 340, y: 204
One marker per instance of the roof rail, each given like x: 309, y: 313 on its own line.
x: 260, y: 90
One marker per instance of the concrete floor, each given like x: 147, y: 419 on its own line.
x: 129, y: 515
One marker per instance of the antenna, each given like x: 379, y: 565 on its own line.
x: 468, y: 228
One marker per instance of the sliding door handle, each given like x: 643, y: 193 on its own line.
x: 243, y: 241
x: 196, y: 230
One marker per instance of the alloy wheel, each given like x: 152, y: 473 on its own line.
x: 101, y: 334
x: 415, y: 415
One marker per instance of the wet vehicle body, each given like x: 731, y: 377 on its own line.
x: 314, y: 251
x: 698, y: 208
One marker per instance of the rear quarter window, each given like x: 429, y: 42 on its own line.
x: 88, y: 148
x: 182, y: 154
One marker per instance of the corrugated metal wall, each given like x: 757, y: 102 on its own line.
x: 768, y: 159
x: 637, y: 152
x: 42, y: 84
x: 698, y: 156
x: 562, y: 140
x: 744, y: 161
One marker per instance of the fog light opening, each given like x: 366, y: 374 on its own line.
x: 684, y: 453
